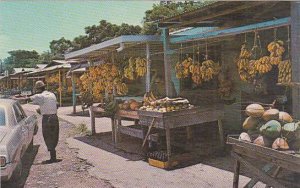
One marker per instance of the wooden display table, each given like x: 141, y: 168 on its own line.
x: 182, y: 118
x: 242, y: 150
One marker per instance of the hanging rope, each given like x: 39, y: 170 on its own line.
x: 245, y: 41
x: 193, y: 54
x: 275, y: 34
x: 288, y: 41
x: 198, y: 52
x: 180, y: 51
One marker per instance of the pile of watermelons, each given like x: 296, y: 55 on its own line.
x: 271, y: 128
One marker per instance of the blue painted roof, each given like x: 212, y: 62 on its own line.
x: 232, y: 31
x: 193, y: 31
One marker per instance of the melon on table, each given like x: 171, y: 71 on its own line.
x: 250, y: 123
x: 291, y: 131
x: 285, y: 117
x: 271, y: 129
x: 245, y: 137
x: 255, y: 110
x: 271, y: 114
x: 263, y: 141
x: 280, y: 143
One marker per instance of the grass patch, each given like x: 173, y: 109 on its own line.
x: 82, y: 129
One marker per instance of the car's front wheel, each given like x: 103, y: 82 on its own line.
x: 17, y: 174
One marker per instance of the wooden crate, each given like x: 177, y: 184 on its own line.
x: 161, y: 164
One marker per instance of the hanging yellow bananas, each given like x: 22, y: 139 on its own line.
x: 263, y: 65
x: 209, y: 69
x: 245, y: 66
x: 141, y: 66
x: 285, y: 71
x: 183, y: 68
x: 196, y: 73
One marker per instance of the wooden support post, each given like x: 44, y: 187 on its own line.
x: 295, y: 46
x: 60, y: 89
x: 168, y: 140
x: 257, y: 172
x: 92, y: 117
x: 148, y: 132
x: 148, y: 74
x: 221, y: 133
x: 236, y: 174
x: 167, y: 62
x: 73, y: 93
x: 113, y: 129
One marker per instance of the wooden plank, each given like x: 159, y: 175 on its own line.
x: 295, y: 57
x: 132, y: 114
x: 138, y: 133
x: 148, y: 132
x: 280, y: 155
x: 290, y: 165
x: 148, y: 73
x: 221, y: 132
x: 253, y: 181
x: 257, y: 172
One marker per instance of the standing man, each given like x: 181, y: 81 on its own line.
x: 50, y: 124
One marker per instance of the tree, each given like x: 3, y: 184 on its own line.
x: 80, y: 42
x: 21, y: 58
x: 59, y: 47
x: 165, y: 9
x: 46, y: 57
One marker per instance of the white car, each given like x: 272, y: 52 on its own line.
x: 16, y: 136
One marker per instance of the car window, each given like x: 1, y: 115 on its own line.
x: 18, y: 113
x: 21, y: 109
x: 2, y: 116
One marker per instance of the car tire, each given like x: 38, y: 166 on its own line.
x: 30, y: 146
x: 17, y: 174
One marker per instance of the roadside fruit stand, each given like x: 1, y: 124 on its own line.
x: 259, y: 53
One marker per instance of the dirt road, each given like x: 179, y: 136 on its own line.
x: 70, y: 172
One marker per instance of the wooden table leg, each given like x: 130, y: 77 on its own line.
x: 221, y: 133
x: 189, y: 133
x: 117, y: 131
x: 236, y: 174
x: 92, y: 117
x: 254, y: 180
x: 113, y: 128
x: 168, y: 139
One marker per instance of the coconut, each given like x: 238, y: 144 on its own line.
x: 245, y: 137
x: 250, y: 123
x: 263, y: 141
x: 285, y: 117
x: 255, y: 110
x: 134, y: 105
x: 280, y: 143
x: 271, y: 114
x: 291, y: 130
x: 271, y: 129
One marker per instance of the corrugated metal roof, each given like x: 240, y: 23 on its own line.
x: 113, y: 44
x: 193, y: 31
x: 19, y: 70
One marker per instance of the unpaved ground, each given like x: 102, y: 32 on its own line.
x: 70, y: 172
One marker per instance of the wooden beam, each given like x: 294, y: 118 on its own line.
x: 295, y: 46
x: 229, y: 10
x: 148, y: 73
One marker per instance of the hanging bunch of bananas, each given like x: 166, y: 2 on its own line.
x: 285, y: 71
x: 276, y: 50
x: 245, y: 65
x: 101, y: 79
x: 196, y: 73
x: 129, y: 70
x: 263, y: 65
x: 183, y: 68
x: 140, y: 66
x: 209, y: 69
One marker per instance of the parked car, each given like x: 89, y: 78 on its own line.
x: 16, y: 137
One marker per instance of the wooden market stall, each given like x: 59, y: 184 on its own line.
x: 54, y: 76
x: 234, y: 26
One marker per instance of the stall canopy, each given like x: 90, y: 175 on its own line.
x: 226, y: 14
x: 117, y: 44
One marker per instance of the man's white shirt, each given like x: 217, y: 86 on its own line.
x: 47, y: 102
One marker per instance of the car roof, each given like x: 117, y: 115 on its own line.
x: 7, y: 102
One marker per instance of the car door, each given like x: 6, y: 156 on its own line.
x: 29, y: 122
x: 22, y: 125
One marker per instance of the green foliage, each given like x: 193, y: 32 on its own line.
x: 21, y: 58
x: 59, y: 47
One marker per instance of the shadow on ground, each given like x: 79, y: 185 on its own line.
x: 27, y: 162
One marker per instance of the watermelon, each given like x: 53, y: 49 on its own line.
x: 255, y: 110
x: 271, y: 129
x: 250, y: 123
x: 271, y: 114
x: 291, y: 130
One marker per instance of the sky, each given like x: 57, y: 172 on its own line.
x: 31, y: 25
